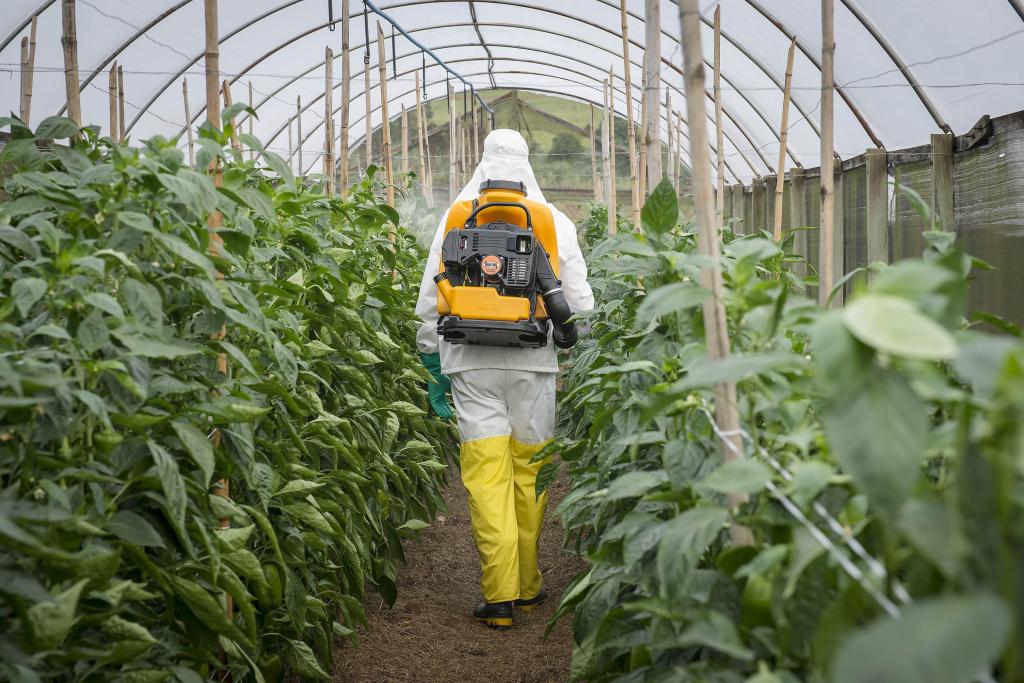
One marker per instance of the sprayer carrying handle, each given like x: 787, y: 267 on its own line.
x: 472, y: 217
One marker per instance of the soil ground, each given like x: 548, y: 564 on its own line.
x: 429, y: 635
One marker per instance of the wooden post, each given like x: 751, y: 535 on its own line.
x: 631, y: 129
x: 291, y: 146
x: 298, y: 131
x: 652, y: 91
x: 28, y: 67
x: 453, y: 188
x: 783, y: 135
x: 235, y: 145
x: 389, y: 171
x: 188, y: 124
x: 719, y: 131
x: 877, y: 205
x: 476, y: 133
x: 404, y: 156
x: 328, y: 118
x: 120, y: 104
x: 826, y: 273
x: 593, y: 158
x: 798, y: 216
x: 609, y: 128
x: 421, y: 135
x: 366, y: 97
x: 112, y: 102
x: 715, y: 323
x: 641, y: 157
x: 69, y: 41
x: 942, y: 181
x: 679, y: 151
x: 758, y: 213
x: 346, y: 76
x: 838, y: 231
x: 252, y: 152
x: 737, y: 207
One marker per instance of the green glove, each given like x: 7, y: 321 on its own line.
x: 438, y: 390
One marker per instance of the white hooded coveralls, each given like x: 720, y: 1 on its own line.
x: 504, y: 397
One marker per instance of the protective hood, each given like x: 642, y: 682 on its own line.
x: 506, y: 157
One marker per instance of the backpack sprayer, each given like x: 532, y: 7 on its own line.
x: 498, y: 282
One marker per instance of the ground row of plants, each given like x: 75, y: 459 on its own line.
x: 118, y: 427
x: 891, y: 429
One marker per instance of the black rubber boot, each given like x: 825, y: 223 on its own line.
x: 534, y: 602
x: 494, y: 614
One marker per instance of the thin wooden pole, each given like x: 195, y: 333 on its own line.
x: 346, y: 76
x: 120, y: 104
x: 215, y: 220
x: 69, y: 41
x: 630, y: 129
x: 608, y: 142
x: 421, y: 135
x: 430, y: 166
x: 366, y: 97
x: 715, y: 323
x: 188, y: 124
x: 679, y: 151
x: 28, y: 67
x: 291, y: 146
x: 669, y: 164
x: 942, y: 181
x: 476, y: 133
x: 226, y: 89
x: 389, y: 171
x: 593, y: 157
x: 453, y: 190
x: 780, y: 180
x: 641, y: 157
x: 252, y: 152
x: 719, y: 131
x: 298, y: 130
x: 112, y: 102
x: 826, y: 274
x: 328, y: 119
x: 405, y: 143
x: 652, y: 90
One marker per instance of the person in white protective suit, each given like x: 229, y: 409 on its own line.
x: 504, y: 403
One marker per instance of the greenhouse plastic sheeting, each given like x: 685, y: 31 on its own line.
x: 904, y: 69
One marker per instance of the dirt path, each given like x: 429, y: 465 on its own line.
x: 429, y: 635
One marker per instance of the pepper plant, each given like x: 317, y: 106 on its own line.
x: 120, y: 429
x: 882, y: 465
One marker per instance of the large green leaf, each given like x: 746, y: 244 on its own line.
x: 670, y: 298
x: 49, y: 622
x: 198, y: 446
x: 26, y: 292
x: 661, y: 211
x: 878, y: 433
x: 895, y: 325
x: 683, y: 542
x: 942, y: 640
x: 738, y: 476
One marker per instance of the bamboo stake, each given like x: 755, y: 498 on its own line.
x: 641, y: 162
x: 389, y: 172
x: 631, y: 129
x: 328, y: 119
x: 679, y: 152
x: 420, y: 137
x: 780, y: 179
x: 226, y: 89
x: 366, y: 97
x: 291, y: 147
x: 346, y: 76
x: 28, y: 67
x: 252, y: 152
x: 112, y: 101
x: 405, y: 143
x: 719, y: 131
x: 671, y: 139
x: 715, y: 323
x: 826, y: 274
x: 652, y: 87
x: 453, y: 190
x: 609, y: 145
x: 120, y: 104
x: 476, y: 133
x: 298, y: 130
x: 593, y: 158
x: 188, y: 124
x: 69, y: 41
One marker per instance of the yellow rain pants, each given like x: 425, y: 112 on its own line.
x: 505, y: 417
